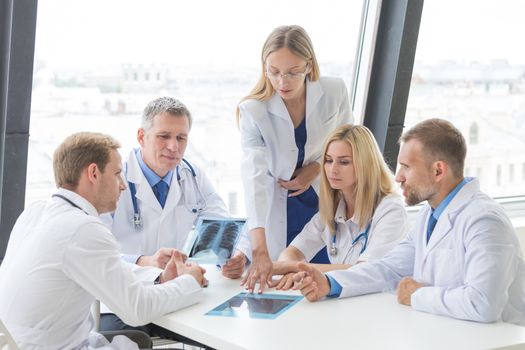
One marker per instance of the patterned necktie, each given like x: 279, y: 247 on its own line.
x: 161, y: 192
x: 430, y: 226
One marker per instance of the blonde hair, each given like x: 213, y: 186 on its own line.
x: 295, y: 39
x: 374, y: 180
x: 79, y: 151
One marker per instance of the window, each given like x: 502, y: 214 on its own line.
x: 473, y: 134
x: 471, y: 71
x: 233, y: 203
x: 207, y: 59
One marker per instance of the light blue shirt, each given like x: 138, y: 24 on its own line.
x: 335, y: 288
x: 150, y: 175
x: 436, y: 213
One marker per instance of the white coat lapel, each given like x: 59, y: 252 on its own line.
x: 175, y: 191
x: 446, y: 220
x: 281, y: 133
x: 315, y: 118
x: 314, y: 92
x: 144, y: 192
x: 277, y: 107
x: 442, y: 229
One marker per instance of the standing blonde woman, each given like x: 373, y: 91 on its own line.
x: 360, y: 218
x: 283, y: 123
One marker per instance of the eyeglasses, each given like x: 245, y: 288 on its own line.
x: 289, y: 76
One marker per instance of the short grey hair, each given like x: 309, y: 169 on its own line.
x: 161, y: 105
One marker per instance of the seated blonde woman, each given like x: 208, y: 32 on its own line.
x: 360, y: 216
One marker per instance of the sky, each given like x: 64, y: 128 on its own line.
x: 472, y: 30
x: 73, y: 32
x: 77, y: 33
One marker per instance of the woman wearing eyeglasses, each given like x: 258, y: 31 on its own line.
x: 360, y: 218
x: 283, y: 123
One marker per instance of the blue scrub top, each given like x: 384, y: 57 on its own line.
x: 302, y: 208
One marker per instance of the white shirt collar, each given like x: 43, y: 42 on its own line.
x: 83, y: 203
x: 340, y: 214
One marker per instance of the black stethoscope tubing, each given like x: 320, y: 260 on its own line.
x: 69, y: 201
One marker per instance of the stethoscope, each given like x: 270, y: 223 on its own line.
x: 362, y: 235
x: 69, y: 201
x: 137, y: 219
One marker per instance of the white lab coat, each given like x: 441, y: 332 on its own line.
x: 388, y: 227
x: 472, y: 266
x: 168, y: 227
x: 58, y: 261
x: 270, y: 152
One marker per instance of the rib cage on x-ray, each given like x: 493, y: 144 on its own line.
x: 218, y: 236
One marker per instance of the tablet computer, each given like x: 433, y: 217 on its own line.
x: 252, y: 305
x: 213, y: 240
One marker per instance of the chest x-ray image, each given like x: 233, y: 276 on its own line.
x: 250, y: 305
x: 213, y: 240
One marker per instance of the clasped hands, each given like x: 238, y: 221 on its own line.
x: 314, y: 284
x: 174, y: 264
x: 301, y: 180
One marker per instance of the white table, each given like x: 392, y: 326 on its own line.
x: 374, y: 321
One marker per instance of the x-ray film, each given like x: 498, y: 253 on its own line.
x: 213, y: 240
x: 252, y: 305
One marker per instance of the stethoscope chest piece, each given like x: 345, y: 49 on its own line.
x: 333, y: 246
x: 137, y: 221
x: 333, y: 250
x: 363, y: 235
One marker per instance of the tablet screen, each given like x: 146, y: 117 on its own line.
x: 250, y: 305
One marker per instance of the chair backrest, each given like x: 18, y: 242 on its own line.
x: 95, y: 311
x: 6, y: 341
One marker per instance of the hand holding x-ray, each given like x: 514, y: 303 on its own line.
x: 213, y: 240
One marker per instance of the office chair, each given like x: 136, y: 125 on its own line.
x: 156, y: 341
